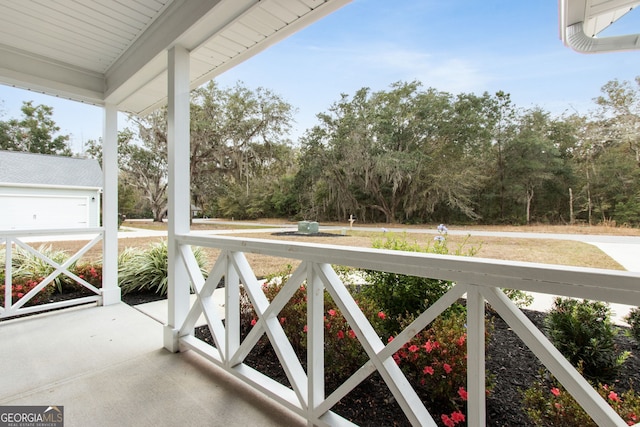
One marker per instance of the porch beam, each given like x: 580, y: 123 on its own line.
x: 179, y: 199
x: 110, y: 290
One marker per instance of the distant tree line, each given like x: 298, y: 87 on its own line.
x: 406, y: 154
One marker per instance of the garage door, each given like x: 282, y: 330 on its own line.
x: 20, y: 212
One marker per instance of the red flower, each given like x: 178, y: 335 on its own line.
x: 462, y: 393
x: 282, y: 320
x: 555, y: 391
x: 305, y: 329
x: 253, y: 322
x: 382, y: 315
x: 447, y: 368
x: 427, y: 370
x: 352, y: 334
x: 332, y: 312
x: 613, y: 396
x: 461, y: 340
x: 20, y: 294
x: 340, y: 335
x: 458, y: 417
x: 413, y: 348
x: 390, y: 339
x: 428, y: 346
x: 447, y: 421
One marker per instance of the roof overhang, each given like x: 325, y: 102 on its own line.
x: 106, y: 52
x: 582, y: 20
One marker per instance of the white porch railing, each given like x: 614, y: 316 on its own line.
x: 10, y: 239
x: 479, y: 279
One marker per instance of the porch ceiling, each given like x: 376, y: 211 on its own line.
x: 109, y: 51
x: 582, y: 20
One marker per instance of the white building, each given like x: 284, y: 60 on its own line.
x: 40, y: 191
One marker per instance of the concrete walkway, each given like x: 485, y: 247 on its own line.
x: 108, y: 368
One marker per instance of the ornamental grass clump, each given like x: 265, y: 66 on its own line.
x: 147, y: 269
x: 582, y: 331
x: 27, y: 266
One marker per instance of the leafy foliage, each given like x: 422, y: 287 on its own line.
x: 26, y: 266
x: 547, y: 403
x: 633, y: 319
x: 401, y: 295
x: 35, y: 132
x: 147, y: 269
x: 584, y: 334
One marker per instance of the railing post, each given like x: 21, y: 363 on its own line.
x: 178, y: 191
x: 315, y: 340
x: 7, y: 275
x: 110, y: 289
x: 476, y: 409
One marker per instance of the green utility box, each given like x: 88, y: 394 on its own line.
x: 308, y: 227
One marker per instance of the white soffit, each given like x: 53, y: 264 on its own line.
x: 581, y: 21
x: 114, y: 51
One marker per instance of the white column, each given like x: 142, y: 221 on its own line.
x: 179, y: 199
x: 110, y: 288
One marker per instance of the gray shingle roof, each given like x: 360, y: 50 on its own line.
x: 28, y: 168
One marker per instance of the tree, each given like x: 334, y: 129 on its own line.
x: 144, y: 165
x: 35, y: 132
x: 237, y: 141
x: 531, y: 159
x: 396, y: 155
x: 620, y: 104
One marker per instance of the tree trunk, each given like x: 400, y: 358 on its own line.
x: 529, y: 199
x: 572, y: 218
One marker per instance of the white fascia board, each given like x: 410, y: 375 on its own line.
x: 33, y: 72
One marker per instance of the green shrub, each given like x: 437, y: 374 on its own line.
x: 399, y: 295
x: 147, y: 269
x: 633, y: 319
x: 547, y: 403
x: 584, y: 334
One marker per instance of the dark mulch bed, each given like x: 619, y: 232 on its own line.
x: 513, y: 367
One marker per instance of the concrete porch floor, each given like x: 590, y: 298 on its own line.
x: 107, y: 367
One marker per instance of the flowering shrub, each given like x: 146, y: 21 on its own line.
x: 548, y: 404
x: 92, y: 273
x: 343, y: 352
x: 435, y: 362
x: 21, y: 287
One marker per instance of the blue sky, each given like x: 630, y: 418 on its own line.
x: 454, y: 46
